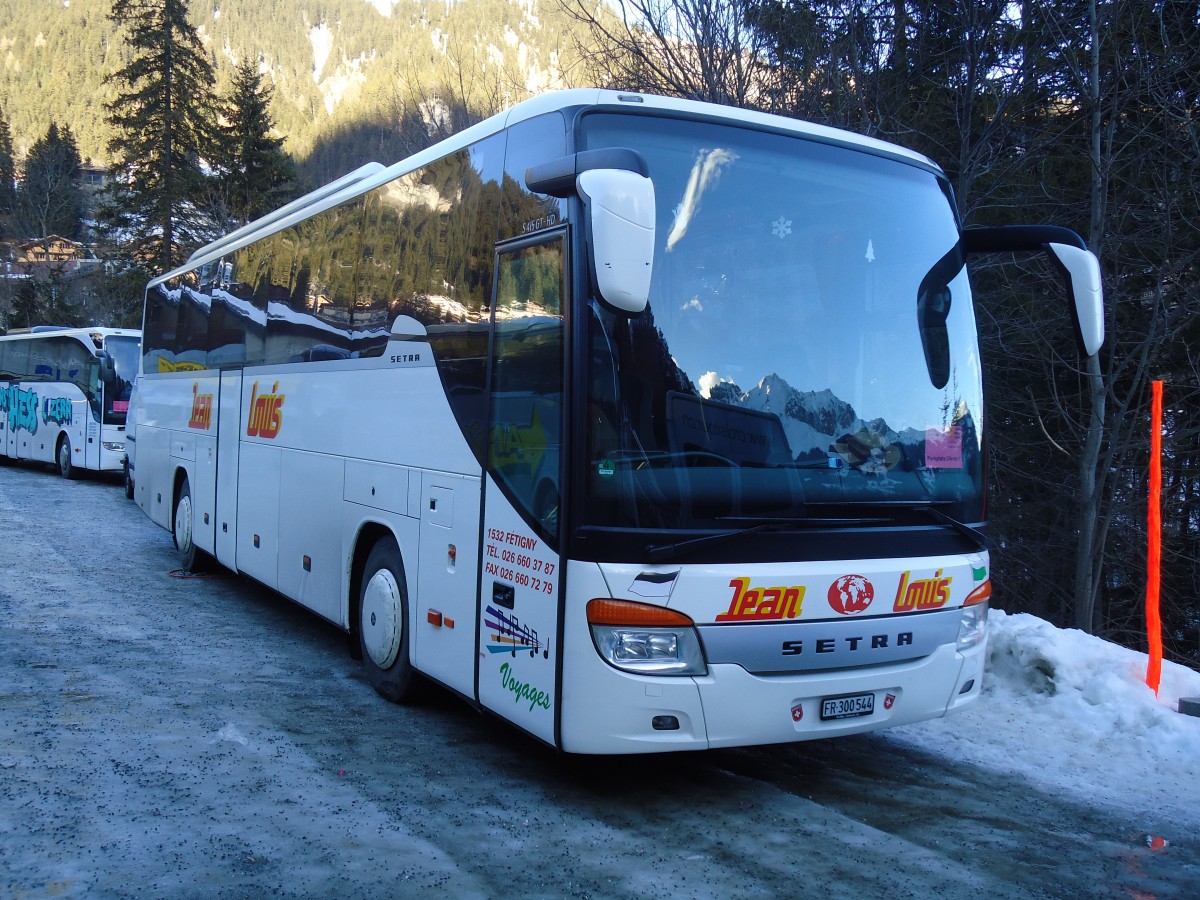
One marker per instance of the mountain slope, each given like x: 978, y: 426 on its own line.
x: 336, y: 65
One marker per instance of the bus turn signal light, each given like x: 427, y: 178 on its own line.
x: 981, y: 594
x: 627, y: 612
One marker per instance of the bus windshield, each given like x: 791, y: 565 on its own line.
x: 809, y: 346
x: 126, y: 357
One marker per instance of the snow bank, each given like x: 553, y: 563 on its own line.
x: 1072, y: 712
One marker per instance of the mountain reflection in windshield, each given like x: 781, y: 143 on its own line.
x: 782, y: 360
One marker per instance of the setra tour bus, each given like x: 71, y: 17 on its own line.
x: 643, y: 424
x: 64, y: 394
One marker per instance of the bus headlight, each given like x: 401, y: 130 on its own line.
x: 972, y: 627
x: 114, y: 446
x: 645, y: 639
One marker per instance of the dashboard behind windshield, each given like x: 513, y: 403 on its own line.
x: 809, y: 344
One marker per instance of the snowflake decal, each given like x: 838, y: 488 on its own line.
x: 781, y: 227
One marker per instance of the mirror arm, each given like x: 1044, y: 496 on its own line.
x: 1018, y: 238
x: 1069, y: 252
x: 557, y: 176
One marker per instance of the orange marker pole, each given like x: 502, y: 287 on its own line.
x: 1154, y: 550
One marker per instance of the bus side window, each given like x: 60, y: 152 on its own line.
x: 14, y: 361
x: 311, y: 310
x: 428, y: 243
x: 192, y: 328
x: 159, y: 342
x: 534, y: 141
x: 525, y: 449
x: 239, y: 276
x: 226, y: 318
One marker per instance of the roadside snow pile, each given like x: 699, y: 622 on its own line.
x: 1071, y: 711
x: 1029, y: 656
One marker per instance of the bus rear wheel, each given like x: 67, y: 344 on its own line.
x: 192, y: 558
x: 383, y: 622
x: 65, y: 467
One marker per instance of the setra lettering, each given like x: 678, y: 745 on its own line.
x: 850, y: 644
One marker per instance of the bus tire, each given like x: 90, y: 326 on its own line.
x: 65, y: 468
x: 383, y: 622
x: 191, y: 557
x: 128, y: 481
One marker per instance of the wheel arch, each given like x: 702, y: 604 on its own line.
x: 369, y: 534
x: 181, y: 475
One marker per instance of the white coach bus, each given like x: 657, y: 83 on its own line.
x: 64, y: 393
x: 643, y: 424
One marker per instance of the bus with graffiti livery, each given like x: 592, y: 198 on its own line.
x: 641, y: 423
x: 64, y: 394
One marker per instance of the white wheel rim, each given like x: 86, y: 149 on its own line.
x: 183, y: 524
x: 381, y: 624
x: 64, y: 456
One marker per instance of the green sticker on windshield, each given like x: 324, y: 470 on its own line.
x: 606, y: 468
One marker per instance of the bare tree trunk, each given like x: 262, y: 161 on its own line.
x: 1090, y: 545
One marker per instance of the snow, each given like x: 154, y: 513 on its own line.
x: 1072, y: 713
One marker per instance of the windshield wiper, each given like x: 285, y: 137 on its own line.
x: 974, y: 534
x: 970, y: 532
x: 661, y: 551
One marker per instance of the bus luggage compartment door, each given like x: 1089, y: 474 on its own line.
x: 229, y: 414
x: 444, y: 633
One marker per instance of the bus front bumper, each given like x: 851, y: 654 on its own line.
x: 617, y: 712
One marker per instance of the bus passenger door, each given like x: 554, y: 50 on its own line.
x: 229, y: 417
x: 519, y: 602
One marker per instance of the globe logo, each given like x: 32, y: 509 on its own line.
x: 851, y: 594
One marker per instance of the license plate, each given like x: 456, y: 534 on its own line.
x: 848, y: 707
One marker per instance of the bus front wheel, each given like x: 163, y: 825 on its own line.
x: 190, y: 556
x: 383, y: 622
x: 65, y: 467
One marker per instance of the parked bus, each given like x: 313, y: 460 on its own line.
x: 643, y: 424
x: 64, y: 393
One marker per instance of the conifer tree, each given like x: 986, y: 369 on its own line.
x: 8, y: 172
x: 50, y: 200
x: 254, y: 169
x: 162, y: 116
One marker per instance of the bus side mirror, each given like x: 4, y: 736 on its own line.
x: 618, y: 197
x: 1081, y: 270
x: 620, y: 211
x: 108, y: 372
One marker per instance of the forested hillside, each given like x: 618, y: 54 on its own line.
x: 345, y: 72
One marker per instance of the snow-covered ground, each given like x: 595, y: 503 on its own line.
x: 1073, y: 713
x: 165, y: 736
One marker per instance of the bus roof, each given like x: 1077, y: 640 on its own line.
x: 372, y: 175
x: 94, y: 337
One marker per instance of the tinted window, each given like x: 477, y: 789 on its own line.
x: 427, y: 250
x: 527, y: 381
x: 535, y: 141
x: 312, y: 310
